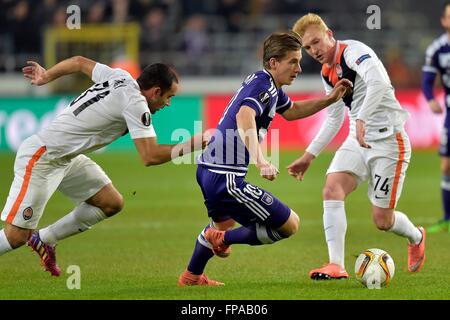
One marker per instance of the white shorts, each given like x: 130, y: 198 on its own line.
x: 384, y: 166
x: 36, y: 178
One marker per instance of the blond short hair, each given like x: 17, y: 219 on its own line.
x: 308, y: 20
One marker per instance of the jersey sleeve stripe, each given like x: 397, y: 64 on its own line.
x: 284, y: 105
x: 429, y: 69
x: 256, y: 102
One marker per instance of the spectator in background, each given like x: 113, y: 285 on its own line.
x: 397, y: 69
x: 46, y: 11
x: 233, y: 13
x: 154, y: 34
x: 195, y: 41
x: 96, y: 13
x: 59, y: 17
x: 120, y: 11
x: 26, y: 39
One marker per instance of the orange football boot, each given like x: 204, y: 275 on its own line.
x: 187, y: 278
x: 328, y: 272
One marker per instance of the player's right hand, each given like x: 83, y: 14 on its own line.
x: 341, y: 89
x: 267, y: 170
x: 35, y: 72
x: 298, y: 168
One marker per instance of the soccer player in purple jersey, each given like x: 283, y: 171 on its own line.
x: 222, y: 167
x: 438, y: 61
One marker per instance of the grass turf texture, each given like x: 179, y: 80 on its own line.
x: 140, y: 253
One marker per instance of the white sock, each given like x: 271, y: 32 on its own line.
x: 80, y: 219
x: 4, y: 243
x: 335, y: 226
x: 404, y: 227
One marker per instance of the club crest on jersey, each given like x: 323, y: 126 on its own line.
x: 267, y: 199
x: 264, y: 97
x: 27, y: 213
x: 362, y: 58
x: 146, y: 119
x: 338, y: 70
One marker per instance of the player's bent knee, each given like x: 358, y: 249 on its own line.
x: 224, y: 225
x: 383, y: 218
x: 114, y: 206
x: 382, y: 223
x: 331, y: 192
x: 290, y: 227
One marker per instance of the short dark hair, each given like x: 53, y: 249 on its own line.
x: 157, y: 75
x: 444, y: 7
x: 278, y: 44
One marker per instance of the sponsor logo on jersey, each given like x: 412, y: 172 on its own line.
x: 146, y: 119
x: 119, y: 83
x: 267, y: 199
x: 362, y: 58
x: 27, y: 213
x: 264, y: 97
x: 338, y: 70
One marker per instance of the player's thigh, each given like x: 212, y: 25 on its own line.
x: 249, y: 204
x: 388, y: 165
x: 83, y: 179
x: 291, y: 225
x: 445, y: 165
x: 349, y: 158
x: 444, y: 146
x: 35, y: 181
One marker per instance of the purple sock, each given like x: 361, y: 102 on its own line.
x: 201, y: 255
x: 445, y: 187
x: 253, y: 235
x: 245, y: 235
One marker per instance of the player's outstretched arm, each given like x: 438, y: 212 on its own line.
x: 298, y: 168
x: 435, y: 106
x: 306, y: 108
x: 40, y: 76
x: 245, y: 120
x: 153, y: 153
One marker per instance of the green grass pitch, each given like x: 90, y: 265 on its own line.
x: 139, y: 253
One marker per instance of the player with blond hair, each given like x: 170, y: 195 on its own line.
x: 376, y: 150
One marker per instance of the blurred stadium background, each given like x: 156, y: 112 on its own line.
x: 213, y: 44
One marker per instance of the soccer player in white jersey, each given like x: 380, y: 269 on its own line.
x: 53, y: 159
x: 376, y: 150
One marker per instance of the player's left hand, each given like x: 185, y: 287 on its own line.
x: 36, y: 73
x: 200, y: 140
x: 360, y: 133
x: 340, y: 90
x: 267, y: 170
x: 206, y: 137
